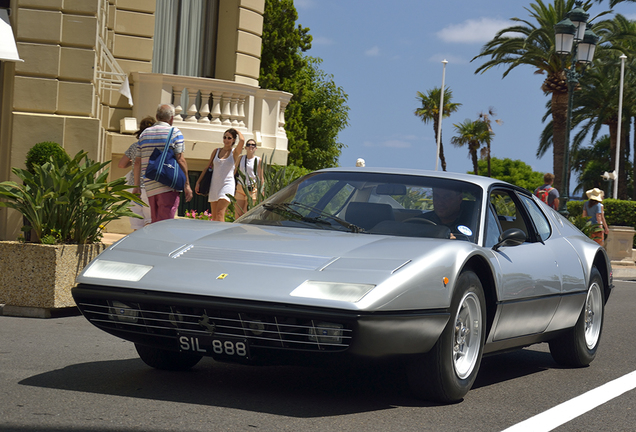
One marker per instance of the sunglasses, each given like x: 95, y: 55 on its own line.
x: 250, y: 145
x: 228, y: 137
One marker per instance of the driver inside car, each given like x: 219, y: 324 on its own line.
x: 450, y: 210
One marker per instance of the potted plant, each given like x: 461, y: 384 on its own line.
x: 38, y: 155
x: 65, y: 205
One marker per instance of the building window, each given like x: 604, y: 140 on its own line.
x: 185, y: 37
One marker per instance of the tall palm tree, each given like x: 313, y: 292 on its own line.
x: 596, y: 98
x: 429, y: 111
x: 590, y: 163
x: 532, y: 44
x: 487, y: 117
x: 473, y: 134
x: 597, y: 106
x: 613, y: 3
x: 619, y: 34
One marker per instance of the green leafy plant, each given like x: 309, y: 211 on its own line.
x: 585, y: 225
x: 68, y: 201
x: 42, y: 153
x: 275, y: 177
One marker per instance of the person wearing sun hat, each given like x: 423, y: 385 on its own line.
x: 593, y: 209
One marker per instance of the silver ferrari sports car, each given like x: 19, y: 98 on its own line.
x: 435, y: 268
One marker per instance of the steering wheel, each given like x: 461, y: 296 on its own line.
x: 419, y: 220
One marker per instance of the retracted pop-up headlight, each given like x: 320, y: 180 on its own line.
x: 349, y: 292
x: 116, y: 270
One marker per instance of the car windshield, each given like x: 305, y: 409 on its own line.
x: 373, y: 203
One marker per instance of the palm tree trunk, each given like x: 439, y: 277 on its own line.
x: 613, y: 132
x: 488, y: 156
x: 473, y: 156
x: 442, y: 159
x: 559, y: 120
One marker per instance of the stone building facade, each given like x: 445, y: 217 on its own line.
x: 80, y: 57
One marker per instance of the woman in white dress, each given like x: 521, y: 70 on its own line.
x: 223, y: 160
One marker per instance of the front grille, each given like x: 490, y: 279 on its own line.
x: 261, y: 330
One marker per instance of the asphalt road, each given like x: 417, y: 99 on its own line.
x: 65, y: 374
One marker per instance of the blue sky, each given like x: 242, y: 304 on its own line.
x: 381, y: 53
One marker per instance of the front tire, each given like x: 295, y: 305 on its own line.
x: 448, y: 371
x: 167, y: 360
x: 577, y: 347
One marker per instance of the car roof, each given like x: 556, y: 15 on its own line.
x: 484, y: 182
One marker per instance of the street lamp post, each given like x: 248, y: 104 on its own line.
x: 618, y: 130
x: 573, y: 37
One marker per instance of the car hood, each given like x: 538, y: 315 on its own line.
x: 267, y: 263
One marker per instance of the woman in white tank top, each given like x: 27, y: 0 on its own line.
x: 222, y: 160
x: 246, y: 166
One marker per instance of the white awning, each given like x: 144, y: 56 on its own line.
x: 8, y: 49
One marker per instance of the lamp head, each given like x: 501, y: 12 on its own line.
x: 586, y: 48
x: 564, y: 32
x: 579, y: 18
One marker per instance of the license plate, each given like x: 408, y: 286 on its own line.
x: 214, y: 345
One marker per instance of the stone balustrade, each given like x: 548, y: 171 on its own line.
x: 206, y: 107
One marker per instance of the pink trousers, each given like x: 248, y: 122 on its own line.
x: 164, y: 206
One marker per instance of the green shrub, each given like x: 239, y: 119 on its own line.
x: 68, y: 202
x: 575, y: 208
x: 617, y: 212
x: 276, y: 177
x: 42, y: 153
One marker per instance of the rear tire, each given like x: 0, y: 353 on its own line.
x: 577, y: 347
x: 448, y: 371
x: 167, y: 360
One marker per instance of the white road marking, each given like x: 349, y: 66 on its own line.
x: 563, y: 413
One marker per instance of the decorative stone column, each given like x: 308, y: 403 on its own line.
x: 619, y: 243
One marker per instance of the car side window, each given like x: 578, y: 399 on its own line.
x: 538, y: 218
x: 508, y: 212
x: 493, y: 231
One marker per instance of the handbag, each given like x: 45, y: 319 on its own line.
x: 206, y: 181
x: 163, y: 167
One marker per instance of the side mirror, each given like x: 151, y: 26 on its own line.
x: 511, y: 237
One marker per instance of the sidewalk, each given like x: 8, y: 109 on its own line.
x: 624, y: 270
x: 110, y: 238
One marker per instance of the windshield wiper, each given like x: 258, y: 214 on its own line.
x: 324, y: 215
x: 284, y: 209
x: 287, y: 210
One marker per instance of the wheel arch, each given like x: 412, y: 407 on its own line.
x: 479, y: 265
x: 602, y: 265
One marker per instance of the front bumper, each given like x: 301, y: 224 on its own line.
x: 158, y: 318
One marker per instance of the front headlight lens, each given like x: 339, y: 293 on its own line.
x: 103, y: 269
x: 349, y: 292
